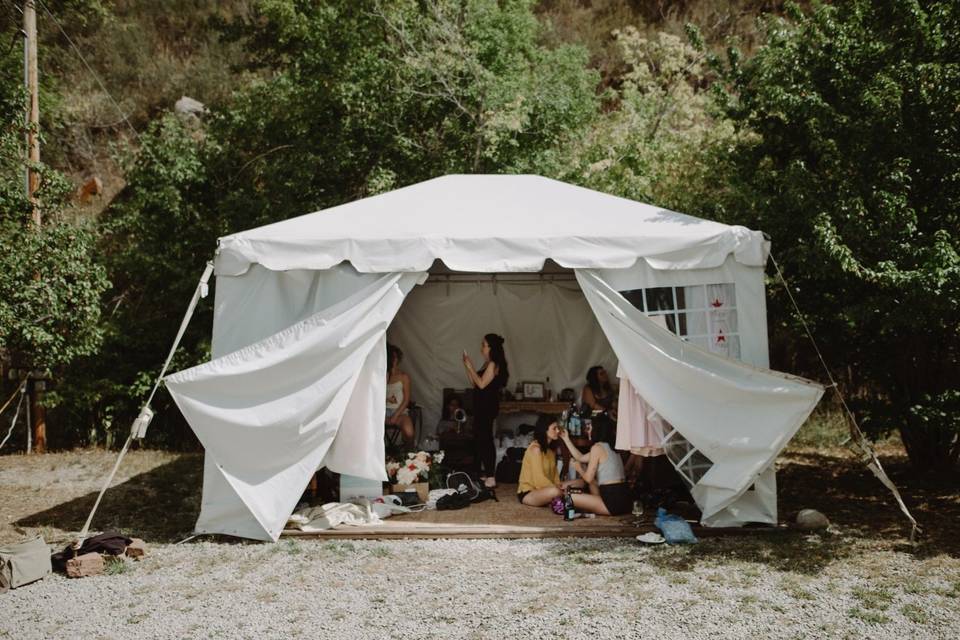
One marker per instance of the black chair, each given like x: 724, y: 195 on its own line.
x: 393, y: 435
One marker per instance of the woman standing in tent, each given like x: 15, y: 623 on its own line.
x: 487, y: 383
x: 398, y: 395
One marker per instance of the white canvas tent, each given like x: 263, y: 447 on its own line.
x: 303, y: 307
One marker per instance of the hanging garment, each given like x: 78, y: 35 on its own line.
x: 640, y: 429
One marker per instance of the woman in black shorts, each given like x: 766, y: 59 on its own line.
x: 602, y: 471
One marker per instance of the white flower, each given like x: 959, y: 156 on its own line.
x: 438, y: 457
x: 406, y: 475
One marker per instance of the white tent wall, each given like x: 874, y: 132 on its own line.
x: 550, y: 331
x: 272, y: 412
x: 751, y: 298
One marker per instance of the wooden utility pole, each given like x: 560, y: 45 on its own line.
x: 33, y: 109
x: 31, y: 74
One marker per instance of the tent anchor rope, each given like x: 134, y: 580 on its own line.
x: 857, y: 442
x: 22, y: 389
x: 139, y: 427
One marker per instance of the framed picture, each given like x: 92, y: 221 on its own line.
x: 533, y: 391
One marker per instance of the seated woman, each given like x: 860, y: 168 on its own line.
x: 539, y: 477
x: 398, y: 395
x: 602, y: 471
x: 598, y: 393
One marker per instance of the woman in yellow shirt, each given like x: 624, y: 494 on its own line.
x: 539, y: 477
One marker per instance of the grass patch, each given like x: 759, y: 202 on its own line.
x: 825, y: 428
x: 115, y: 565
x: 868, y: 616
x: 915, y: 614
x: 878, y: 599
x: 290, y: 547
x: 340, y: 549
x: 380, y: 552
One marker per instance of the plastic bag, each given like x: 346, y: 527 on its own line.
x: 675, y: 529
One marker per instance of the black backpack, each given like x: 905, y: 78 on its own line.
x: 508, y: 471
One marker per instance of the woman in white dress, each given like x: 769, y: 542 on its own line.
x: 398, y: 395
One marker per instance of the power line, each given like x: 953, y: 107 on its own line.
x: 90, y: 69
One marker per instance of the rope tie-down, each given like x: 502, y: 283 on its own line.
x: 138, y: 430
x: 857, y: 442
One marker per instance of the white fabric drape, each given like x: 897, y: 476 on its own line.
x: 271, y: 413
x: 739, y: 416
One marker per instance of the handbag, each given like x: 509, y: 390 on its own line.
x: 23, y: 563
x: 462, y: 483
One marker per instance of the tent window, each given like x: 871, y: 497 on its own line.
x: 687, y: 459
x: 705, y: 315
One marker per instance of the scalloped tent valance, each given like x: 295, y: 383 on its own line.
x: 491, y: 224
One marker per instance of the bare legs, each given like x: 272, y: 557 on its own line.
x: 590, y: 502
x: 541, y: 497
x: 406, y: 429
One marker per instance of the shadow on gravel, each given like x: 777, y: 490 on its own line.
x: 161, y: 505
x: 867, y: 516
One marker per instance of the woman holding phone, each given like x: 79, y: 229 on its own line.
x: 487, y: 383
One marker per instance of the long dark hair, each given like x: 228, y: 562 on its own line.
x: 603, y: 429
x: 593, y: 379
x: 544, y: 420
x: 393, y: 351
x: 498, y: 357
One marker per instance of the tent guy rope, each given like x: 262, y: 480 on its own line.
x: 858, y: 441
x: 139, y: 428
x: 22, y: 390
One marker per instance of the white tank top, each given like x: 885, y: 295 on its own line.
x: 394, y: 394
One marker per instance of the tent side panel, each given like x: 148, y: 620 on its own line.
x: 739, y: 417
x: 748, y: 281
x: 222, y: 510
x: 261, y: 302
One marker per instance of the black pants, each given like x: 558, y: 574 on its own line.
x: 483, y: 450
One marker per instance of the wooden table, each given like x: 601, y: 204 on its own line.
x: 533, y: 406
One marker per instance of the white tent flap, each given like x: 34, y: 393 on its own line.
x: 271, y: 413
x: 739, y: 417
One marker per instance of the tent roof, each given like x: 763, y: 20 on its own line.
x: 490, y: 223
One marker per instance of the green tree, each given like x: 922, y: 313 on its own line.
x: 156, y: 236
x: 849, y: 156
x: 50, y: 284
x: 350, y: 98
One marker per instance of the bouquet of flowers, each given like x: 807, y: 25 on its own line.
x: 418, y: 467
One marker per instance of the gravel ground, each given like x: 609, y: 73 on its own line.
x: 596, y: 589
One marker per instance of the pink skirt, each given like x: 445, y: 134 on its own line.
x: 640, y: 429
